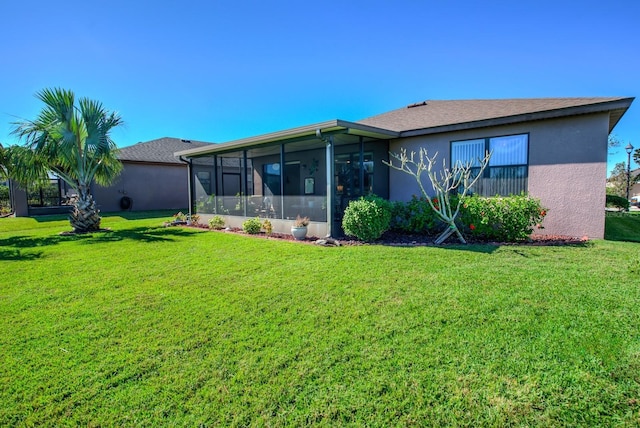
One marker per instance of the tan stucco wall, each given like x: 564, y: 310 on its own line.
x: 567, y: 168
x: 151, y: 187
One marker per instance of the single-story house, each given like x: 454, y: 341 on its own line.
x: 151, y: 179
x: 634, y: 187
x: 554, y: 149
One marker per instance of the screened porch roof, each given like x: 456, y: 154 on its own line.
x: 308, y: 132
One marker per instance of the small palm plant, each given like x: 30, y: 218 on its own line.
x: 72, y: 140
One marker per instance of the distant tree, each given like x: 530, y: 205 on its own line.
x: 617, y: 181
x: 4, y: 163
x: 613, y: 142
x: 72, y: 140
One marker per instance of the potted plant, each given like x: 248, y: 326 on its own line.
x: 179, y: 219
x: 299, y: 228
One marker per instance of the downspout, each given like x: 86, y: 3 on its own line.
x: 282, y: 161
x: 328, y: 141
x: 245, y: 183
x: 361, y: 169
x: 215, y: 184
x: 189, y: 182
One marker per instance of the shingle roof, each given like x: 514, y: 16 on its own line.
x: 160, y: 150
x: 441, y: 113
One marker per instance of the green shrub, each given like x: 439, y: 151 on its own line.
x: 367, y: 218
x: 252, y: 226
x: 507, y: 219
x: 216, y: 222
x: 618, y: 202
x: 267, y: 226
x: 5, y: 203
x: 414, y: 216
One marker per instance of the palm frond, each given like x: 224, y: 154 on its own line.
x: 72, y: 138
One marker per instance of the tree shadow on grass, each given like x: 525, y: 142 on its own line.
x: 142, y: 234
x: 18, y: 255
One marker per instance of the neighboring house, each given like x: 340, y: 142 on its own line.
x: 554, y: 149
x: 634, y: 189
x: 151, y: 179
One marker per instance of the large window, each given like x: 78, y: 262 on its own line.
x: 55, y: 193
x: 508, y: 169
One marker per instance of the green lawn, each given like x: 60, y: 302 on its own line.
x: 623, y: 226
x: 153, y: 326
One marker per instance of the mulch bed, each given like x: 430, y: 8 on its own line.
x: 408, y: 240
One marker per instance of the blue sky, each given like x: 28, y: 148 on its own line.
x: 222, y: 70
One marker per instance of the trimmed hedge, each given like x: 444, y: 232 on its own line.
x: 367, y: 218
x: 414, y: 217
x: 508, y: 219
x: 619, y: 202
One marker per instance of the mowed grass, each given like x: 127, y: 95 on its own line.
x: 623, y: 226
x: 153, y: 326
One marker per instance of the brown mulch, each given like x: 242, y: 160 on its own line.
x: 409, y: 240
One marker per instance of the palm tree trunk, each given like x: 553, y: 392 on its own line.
x: 85, y: 216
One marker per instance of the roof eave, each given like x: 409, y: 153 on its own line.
x: 331, y: 126
x: 616, y: 109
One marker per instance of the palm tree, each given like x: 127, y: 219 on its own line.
x: 4, y: 161
x: 73, y: 142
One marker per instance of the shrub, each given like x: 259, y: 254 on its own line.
x: 180, y: 216
x: 216, y: 222
x: 267, y: 226
x: 618, y: 202
x: 5, y: 203
x: 507, y: 219
x: 367, y: 218
x: 252, y: 226
x: 415, y: 216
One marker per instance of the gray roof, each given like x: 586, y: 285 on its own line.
x: 160, y: 150
x: 438, y: 114
x: 435, y: 116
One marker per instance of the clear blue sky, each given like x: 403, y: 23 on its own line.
x: 222, y: 70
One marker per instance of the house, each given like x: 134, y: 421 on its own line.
x: 151, y: 179
x: 554, y: 149
x: 634, y: 187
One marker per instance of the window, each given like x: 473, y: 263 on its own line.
x: 508, y: 167
x: 271, y: 179
x: 348, y: 170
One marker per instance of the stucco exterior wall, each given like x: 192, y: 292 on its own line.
x: 150, y: 186
x: 567, y: 168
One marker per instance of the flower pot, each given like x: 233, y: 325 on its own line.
x: 299, y: 232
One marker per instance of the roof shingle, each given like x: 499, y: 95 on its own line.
x: 437, y: 113
x: 160, y: 150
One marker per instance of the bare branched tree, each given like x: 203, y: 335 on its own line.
x: 444, y: 183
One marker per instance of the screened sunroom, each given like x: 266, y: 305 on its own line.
x: 312, y: 171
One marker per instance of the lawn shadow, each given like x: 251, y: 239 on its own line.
x: 48, y: 218
x: 23, y: 241
x: 474, y: 248
x: 18, y: 255
x: 142, y: 234
x: 491, y: 247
